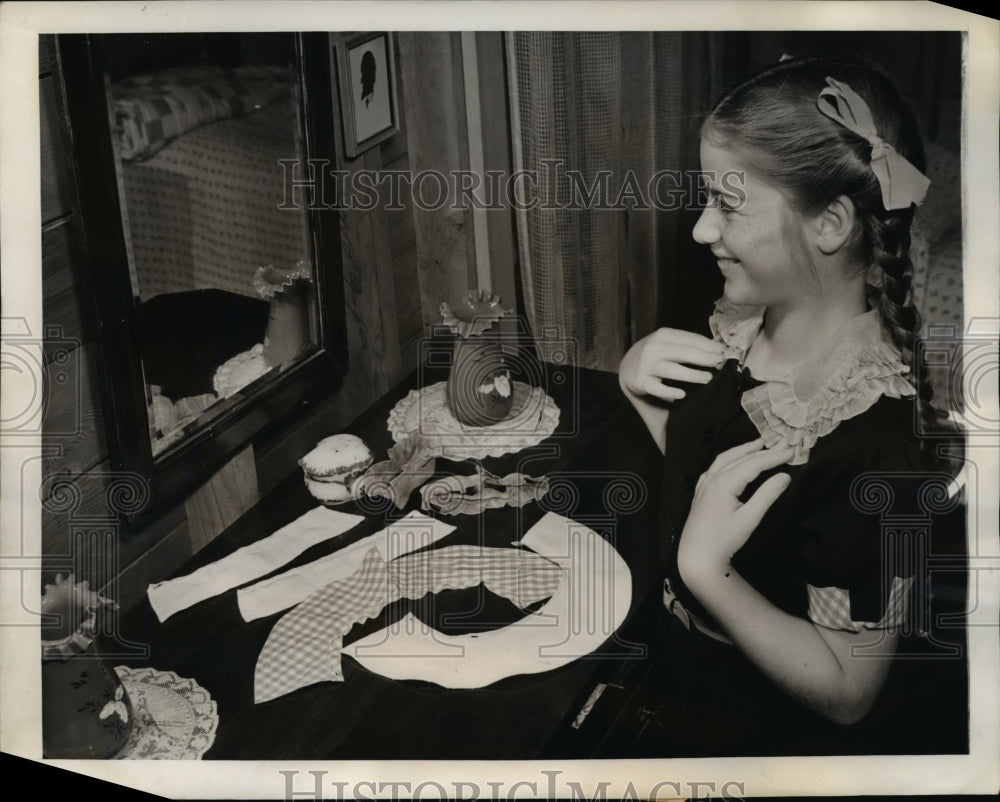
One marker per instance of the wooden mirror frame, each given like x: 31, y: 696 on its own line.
x: 271, y: 401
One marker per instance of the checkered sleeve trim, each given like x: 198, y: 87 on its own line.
x: 831, y: 607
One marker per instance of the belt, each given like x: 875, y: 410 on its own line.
x: 686, y: 617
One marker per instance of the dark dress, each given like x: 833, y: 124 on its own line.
x: 867, y: 507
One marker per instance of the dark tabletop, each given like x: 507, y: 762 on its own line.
x: 601, y: 447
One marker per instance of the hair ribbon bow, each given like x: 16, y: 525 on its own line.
x: 901, y: 182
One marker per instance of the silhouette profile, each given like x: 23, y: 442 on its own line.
x: 368, y: 77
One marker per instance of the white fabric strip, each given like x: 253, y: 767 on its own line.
x: 586, y: 609
x: 250, y: 562
x: 409, y: 533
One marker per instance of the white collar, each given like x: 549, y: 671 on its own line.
x: 857, y: 366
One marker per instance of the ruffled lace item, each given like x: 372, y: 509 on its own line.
x: 855, y: 369
x: 735, y: 327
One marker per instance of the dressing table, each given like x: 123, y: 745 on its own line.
x: 606, y: 469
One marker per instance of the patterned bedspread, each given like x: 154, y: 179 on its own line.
x: 203, y: 211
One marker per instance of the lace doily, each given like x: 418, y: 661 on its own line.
x: 533, y: 417
x: 174, y: 717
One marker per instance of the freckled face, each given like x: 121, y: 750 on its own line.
x: 753, y: 232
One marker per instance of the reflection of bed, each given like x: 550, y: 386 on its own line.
x: 203, y: 208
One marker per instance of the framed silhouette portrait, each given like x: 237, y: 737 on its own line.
x: 366, y: 74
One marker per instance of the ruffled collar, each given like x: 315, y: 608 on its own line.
x: 857, y: 367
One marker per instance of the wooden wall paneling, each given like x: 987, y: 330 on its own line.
x: 67, y: 306
x: 394, y: 148
x: 73, y: 423
x: 62, y: 256
x: 410, y: 350
x: 55, y: 175
x: 153, y: 563
x: 403, y: 251
x: 380, y: 248
x: 434, y: 102
x: 222, y: 499
x: 117, y: 569
x: 404, y: 269
x: 80, y: 533
x: 72, y: 503
x: 402, y: 233
x: 369, y: 291
x: 67, y: 498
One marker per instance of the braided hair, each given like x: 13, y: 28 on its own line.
x: 773, y: 123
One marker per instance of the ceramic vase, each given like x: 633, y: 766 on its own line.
x: 86, y: 712
x: 479, y: 390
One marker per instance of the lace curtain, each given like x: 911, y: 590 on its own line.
x: 627, y: 104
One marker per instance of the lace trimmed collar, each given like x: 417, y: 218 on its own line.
x: 856, y: 368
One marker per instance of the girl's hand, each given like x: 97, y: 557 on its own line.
x: 719, y: 524
x: 663, y: 356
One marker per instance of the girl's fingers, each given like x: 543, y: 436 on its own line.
x: 745, y: 469
x: 689, y: 355
x: 760, y: 502
x: 731, y: 455
x: 664, y: 392
x: 671, y: 371
x: 690, y: 348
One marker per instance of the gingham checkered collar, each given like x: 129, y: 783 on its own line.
x: 857, y: 367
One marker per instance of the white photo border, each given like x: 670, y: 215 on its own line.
x: 20, y: 463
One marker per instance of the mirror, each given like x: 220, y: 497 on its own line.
x: 219, y: 262
x: 218, y: 287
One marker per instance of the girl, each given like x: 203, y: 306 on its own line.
x: 787, y: 605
